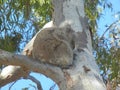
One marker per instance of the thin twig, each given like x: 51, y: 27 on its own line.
x: 36, y: 81
x: 12, y: 84
x: 109, y: 28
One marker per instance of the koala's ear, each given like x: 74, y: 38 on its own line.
x: 29, y: 46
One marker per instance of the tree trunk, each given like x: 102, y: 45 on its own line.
x: 84, y: 74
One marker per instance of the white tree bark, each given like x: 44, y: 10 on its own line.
x: 84, y: 72
x: 84, y: 75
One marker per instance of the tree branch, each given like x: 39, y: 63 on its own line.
x: 11, y: 73
x: 26, y: 63
x: 114, y: 23
x: 36, y: 81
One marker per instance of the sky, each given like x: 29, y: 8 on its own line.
x: 22, y: 83
x: 107, y: 18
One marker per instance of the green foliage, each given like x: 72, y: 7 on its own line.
x: 106, y: 50
x: 11, y: 42
x: 25, y: 17
x: 2, y: 1
x: 92, y: 13
x: 108, y: 54
x: 108, y: 60
x: 42, y: 11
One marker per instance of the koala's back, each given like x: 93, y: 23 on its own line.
x: 49, y: 48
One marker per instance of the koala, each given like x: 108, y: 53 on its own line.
x: 53, y: 45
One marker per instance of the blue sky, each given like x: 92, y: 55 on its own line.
x: 108, y: 18
x: 45, y: 82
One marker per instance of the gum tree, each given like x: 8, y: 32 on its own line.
x: 81, y: 74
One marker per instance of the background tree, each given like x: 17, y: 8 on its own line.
x: 107, y: 57
x: 18, y: 17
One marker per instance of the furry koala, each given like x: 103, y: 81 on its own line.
x: 52, y: 45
